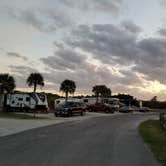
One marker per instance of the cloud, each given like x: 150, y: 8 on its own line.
x: 64, y: 59
x: 85, y: 77
x: 16, y: 55
x: 107, y: 54
x: 130, y: 26
x: 22, y: 70
x: 106, y: 42
x: 27, y: 16
x: 44, y: 20
x: 75, y: 65
x: 58, y: 15
x: 112, y: 45
x: 162, y: 32
x: 162, y: 3
x: 111, y: 6
x: 95, y: 51
x: 21, y: 74
x: 59, y: 18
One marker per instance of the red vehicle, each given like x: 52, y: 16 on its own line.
x: 100, y: 107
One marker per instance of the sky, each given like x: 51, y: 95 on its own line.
x: 119, y: 43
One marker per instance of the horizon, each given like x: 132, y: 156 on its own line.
x: 62, y: 94
x: 118, y: 43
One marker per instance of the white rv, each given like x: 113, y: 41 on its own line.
x: 113, y: 102
x: 26, y: 101
x: 90, y: 100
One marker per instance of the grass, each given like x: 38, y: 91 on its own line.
x: 155, y: 137
x: 12, y: 115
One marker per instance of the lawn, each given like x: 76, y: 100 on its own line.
x: 155, y: 139
x: 12, y: 115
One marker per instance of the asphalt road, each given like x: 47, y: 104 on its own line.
x: 102, y: 141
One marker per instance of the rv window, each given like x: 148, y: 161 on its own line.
x: 20, y: 99
x: 27, y: 98
x: 42, y: 97
x: 57, y: 102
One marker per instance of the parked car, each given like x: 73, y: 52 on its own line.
x: 126, y: 109
x: 144, y: 109
x: 100, y: 107
x: 69, y: 108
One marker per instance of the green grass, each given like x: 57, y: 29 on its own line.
x: 18, y: 116
x: 155, y: 138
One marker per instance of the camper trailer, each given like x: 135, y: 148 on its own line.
x: 26, y: 102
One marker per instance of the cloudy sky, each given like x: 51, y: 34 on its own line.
x: 119, y: 43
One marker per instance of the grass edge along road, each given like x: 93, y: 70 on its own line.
x: 12, y: 115
x: 155, y: 138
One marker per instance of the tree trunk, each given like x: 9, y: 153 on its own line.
x: 1, y: 102
x: 66, y: 97
x: 35, y: 85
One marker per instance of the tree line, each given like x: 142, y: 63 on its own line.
x: 7, y: 85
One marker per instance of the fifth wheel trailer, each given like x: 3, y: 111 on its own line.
x: 25, y: 102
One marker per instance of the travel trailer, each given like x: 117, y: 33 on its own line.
x: 25, y: 102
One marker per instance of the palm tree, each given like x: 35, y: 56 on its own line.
x: 101, y: 90
x: 7, y: 83
x: 106, y: 92
x: 68, y: 86
x: 35, y: 79
x: 97, y: 90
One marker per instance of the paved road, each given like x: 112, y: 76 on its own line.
x: 12, y: 126
x: 102, y: 141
